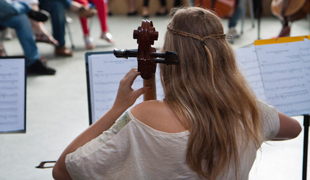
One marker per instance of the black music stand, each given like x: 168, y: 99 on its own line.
x: 305, y: 150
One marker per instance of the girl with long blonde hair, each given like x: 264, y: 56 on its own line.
x: 209, y: 125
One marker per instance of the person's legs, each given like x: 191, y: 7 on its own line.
x: 58, y: 17
x: 145, y: 9
x: 57, y: 10
x: 82, y: 9
x: 20, y: 7
x: 163, y: 3
x: 84, y: 23
x: 40, y: 31
x: 132, y: 8
x: 24, y: 32
x: 232, y: 33
x: 83, y: 20
x: 177, y: 3
x: 234, y: 19
x: 103, y: 18
x: 102, y: 14
x: 145, y: 3
x: 162, y: 10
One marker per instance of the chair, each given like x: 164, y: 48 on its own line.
x: 243, y: 7
x: 69, y: 20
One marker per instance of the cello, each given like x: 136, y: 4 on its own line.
x: 289, y: 11
x: 223, y: 8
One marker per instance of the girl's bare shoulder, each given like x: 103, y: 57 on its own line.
x: 157, y: 115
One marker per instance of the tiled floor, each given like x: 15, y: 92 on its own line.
x: 57, y: 109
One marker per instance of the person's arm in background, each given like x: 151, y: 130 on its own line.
x: 125, y: 98
x: 289, y: 128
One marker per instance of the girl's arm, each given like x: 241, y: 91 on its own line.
x: 289, y: 128
x: 125, y: 98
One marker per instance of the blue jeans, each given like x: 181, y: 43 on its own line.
x: 57, y: 10
x: 23, y: 30
x: 234, y: 19
x: 12, y: 8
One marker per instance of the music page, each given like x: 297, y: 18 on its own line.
x: 249, y: 66
x: 304, y: 47
x: 284, y: 77
x: 12, y: 95
x: 105, y: 73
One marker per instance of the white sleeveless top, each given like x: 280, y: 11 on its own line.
x: 132, y: 150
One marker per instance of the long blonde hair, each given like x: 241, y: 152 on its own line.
x: 207, y: 92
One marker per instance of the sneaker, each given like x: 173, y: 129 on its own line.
x: 38, y: 68
x: 230, y: 39
x: 107, y: 36
x: 89, y: 42
x: 86, y: 12
x: 63, y: 51
x: 232, y: 32
x: 40, y: 16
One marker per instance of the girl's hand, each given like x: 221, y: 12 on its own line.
x: 126, y: 96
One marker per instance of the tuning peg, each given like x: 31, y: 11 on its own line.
x: 124, y: 53
x: 168, y: 57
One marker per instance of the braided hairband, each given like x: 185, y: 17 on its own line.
x: 213, y: 36
x: 182, y: 33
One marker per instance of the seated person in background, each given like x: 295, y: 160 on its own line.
x: 13, y: 14
x: 38, y: 28
x: 57, y: 9
x: 103, y: 18
x: 208, y: 126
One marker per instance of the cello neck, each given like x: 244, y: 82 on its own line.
x: 150, y: 94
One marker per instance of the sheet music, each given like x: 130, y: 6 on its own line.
x: 249, y: 66
x: 284, y: 77
x: 12, y: 95
x: 304, y: 47
x: 106, y: 71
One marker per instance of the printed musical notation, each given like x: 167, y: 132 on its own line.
x: 284, y: 77
x: 304, y: 47
x: 12, y: 95
x: 249, y: 66
x: 105, y: 73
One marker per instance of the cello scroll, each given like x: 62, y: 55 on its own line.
x: 147, y: 56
